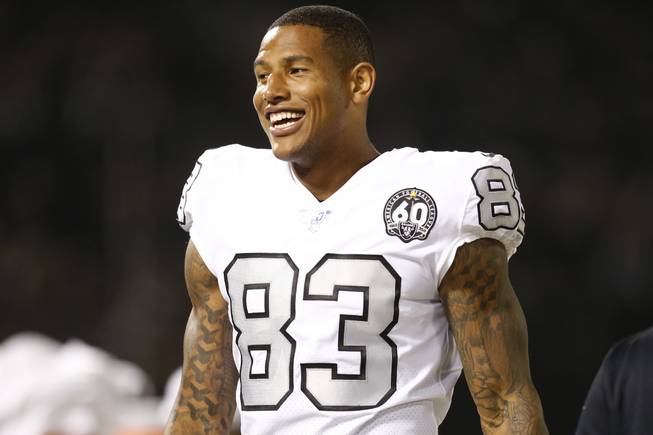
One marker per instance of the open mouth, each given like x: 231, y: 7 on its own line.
x: 285, y: 122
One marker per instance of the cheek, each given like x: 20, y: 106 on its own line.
x: 321, y: 97
x: 257, y: 100
x: 331, y: 103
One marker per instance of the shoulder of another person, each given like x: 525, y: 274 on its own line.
x: 633, y: 346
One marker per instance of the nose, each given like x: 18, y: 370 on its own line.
x: 276, y: 89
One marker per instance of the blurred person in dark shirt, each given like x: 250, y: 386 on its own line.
x: 619, y: 400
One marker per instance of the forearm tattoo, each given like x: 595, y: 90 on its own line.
x: 490, y: 332
x: 206, y: 399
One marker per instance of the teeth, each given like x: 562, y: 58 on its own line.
x: 280, y: 116
x: 285, y: 124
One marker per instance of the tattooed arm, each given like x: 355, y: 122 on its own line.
x: 206, y: 400
x: 490, y: 332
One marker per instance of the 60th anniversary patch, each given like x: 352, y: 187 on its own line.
x: 410, y: 214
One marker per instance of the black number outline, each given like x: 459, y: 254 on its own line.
x: 494, y: 180
x: 283, y: 328
x: 494, y: 206
x: 268, y: 350
x: 343, y: 318
x: 266, y: 300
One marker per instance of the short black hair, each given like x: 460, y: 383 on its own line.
x: 346, y: 34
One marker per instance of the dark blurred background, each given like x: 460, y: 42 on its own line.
x: 105, y: 107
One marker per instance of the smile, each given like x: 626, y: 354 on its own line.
x: 286, y: 122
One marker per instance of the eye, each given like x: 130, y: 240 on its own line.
x: 297, y: 70
x: 262, y: 76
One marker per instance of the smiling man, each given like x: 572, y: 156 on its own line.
x: 337, y: 290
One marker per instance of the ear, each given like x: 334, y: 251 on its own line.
x: 362, y: 79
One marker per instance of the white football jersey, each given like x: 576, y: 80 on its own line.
x: 338, y: 325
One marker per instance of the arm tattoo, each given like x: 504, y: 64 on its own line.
x: 206, y: 399
x: 490, y: 332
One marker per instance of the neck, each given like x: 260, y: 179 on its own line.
x: 330, y: 172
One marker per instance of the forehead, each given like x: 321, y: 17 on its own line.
x: 292, y: 40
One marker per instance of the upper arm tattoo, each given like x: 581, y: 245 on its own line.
x: 490, y: 332
x: 206, y: 399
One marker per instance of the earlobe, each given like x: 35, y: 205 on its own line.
x: 363, y: 77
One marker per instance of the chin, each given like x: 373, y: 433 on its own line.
x: 287, y: 152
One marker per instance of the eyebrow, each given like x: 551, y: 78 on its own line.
x: 287, y: 60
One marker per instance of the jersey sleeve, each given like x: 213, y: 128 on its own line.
x: 208, y: 181
x: 494, y: 207
x: 490, y: 206
x: 188, y: 202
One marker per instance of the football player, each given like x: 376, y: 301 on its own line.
x: 337, y: 290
